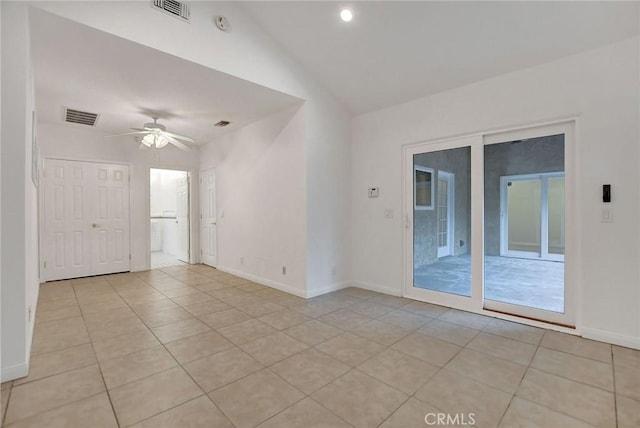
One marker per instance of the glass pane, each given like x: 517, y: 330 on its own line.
x: 423, y: 185
x: 441, y: 236
x: 524, y: 204
x: 555, y: 198
x: 518, y: 268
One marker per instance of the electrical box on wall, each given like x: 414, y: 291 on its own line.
x: 373, y: 192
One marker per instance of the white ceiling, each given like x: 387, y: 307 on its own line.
x: 397, y: 51
x: 82, y: 68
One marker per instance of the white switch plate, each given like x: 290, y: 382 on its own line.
x: 373, y: 192
x: 607, y: 215
x: 388, y: 213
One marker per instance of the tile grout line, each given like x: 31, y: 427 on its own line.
x: 524, y: 374
x: 4, y: 414
x: 204, y: 393
x: 368, y: 299
x: 615, y: 393
x: 113, y: 410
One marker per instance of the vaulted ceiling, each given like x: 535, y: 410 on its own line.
x: 390, y: 53
x: 395, y: 51
x: 81, y: 68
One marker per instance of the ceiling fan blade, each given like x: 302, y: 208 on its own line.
x: 128, y: 133
x: 139, y: 129
x: 181, y: 137
x: 178, y: 144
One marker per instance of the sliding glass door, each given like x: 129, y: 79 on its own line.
x: 439, y: 216
x: 486, y: 223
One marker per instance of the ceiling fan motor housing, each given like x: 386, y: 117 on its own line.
x: 152, y: 125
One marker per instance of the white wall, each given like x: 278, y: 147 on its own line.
x: 326, y: 136
x: 599, y: 86
x: 19, y: 197
x: 72, y: 142
x: 261, y: 186
x: 164, y: 190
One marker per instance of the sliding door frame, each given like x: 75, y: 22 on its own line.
x: 568, y: 321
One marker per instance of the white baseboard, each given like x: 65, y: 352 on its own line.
x: 614, y: 338
x: 269, y: 283
x: 14, y: 372
x: 328, y: 289
x: 377, y: 287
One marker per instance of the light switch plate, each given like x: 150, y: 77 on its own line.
x: 373, y: 192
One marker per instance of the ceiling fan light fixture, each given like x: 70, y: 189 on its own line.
x: 148, y: 140
x: 161, y: 142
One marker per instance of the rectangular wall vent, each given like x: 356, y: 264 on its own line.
x: 81, y: 117
x: 175, y: 8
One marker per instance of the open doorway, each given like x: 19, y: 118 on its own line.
x: 169, y: 217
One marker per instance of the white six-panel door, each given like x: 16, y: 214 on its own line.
x: 86, y: 225
x: 208, y: 215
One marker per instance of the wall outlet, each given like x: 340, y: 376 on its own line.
x: 388, y: 213
x: 241, y: 260
x: 284, y: 270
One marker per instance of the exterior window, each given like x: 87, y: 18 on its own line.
x: 423, y: 188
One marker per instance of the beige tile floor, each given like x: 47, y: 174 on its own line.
x: 190, y: 346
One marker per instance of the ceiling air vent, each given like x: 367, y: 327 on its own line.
x: 175, y: 8
x: 222, y: 123
x: 81, y: 117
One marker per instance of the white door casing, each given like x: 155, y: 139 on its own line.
x: 446, y: 213
x: 86, y: 227
x: 182, y: 218
x: 208, y: 215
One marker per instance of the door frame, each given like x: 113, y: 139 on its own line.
x: 42, y: 210
x: 193, y: 239
x: 570, y: 320
x: 450, y: 178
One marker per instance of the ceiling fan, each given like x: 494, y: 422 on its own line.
x: 156, y: 135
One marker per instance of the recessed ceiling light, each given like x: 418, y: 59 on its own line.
x: 346, y: 15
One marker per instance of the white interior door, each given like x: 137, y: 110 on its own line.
x: 67, y: 226
x: 182, y: 218
x: 86, y: 209
x: 208, y: 216
x: 110, y: 227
